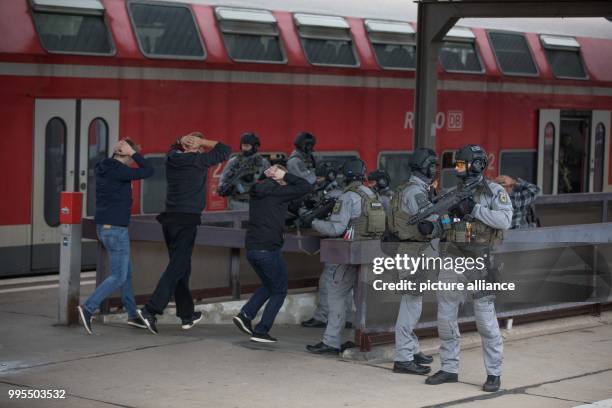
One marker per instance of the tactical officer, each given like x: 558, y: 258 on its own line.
x: 423, y: 238
x: 301, y: 162
x: 242, y: 171
x: 357, y: 212
x: 482, y: 218
x: 319, y: 317
x: 380, y: 182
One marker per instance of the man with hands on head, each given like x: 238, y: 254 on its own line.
x: 187, y: 165
x: 113, y: 208
x: 264, y: 241
x: 522, y: 195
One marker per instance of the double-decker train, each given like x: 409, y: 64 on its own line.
x: 77, y: 75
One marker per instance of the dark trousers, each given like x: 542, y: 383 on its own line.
x: 175, y: 279
x: 272, y: 270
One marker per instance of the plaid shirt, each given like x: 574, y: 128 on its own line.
x: 523, y: 196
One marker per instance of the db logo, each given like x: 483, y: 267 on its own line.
x: 455, y: 120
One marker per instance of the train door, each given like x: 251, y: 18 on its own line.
x: 572, y: 151
x: 70, y: 136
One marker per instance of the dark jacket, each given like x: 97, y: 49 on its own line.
x: 268, y: 209
x: 114, y: 189
x: 186, y: 174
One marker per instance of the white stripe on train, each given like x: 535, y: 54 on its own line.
x: 274, y: 78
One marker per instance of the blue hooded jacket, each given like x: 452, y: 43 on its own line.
x: 114, y: 189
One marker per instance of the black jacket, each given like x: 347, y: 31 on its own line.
x: 268, y: 209
x: 186, y: 174
x: 114, y: 189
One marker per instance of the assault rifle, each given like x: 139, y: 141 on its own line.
x: 234, y: 176
x: 445, y: 203
x: 321, y: 211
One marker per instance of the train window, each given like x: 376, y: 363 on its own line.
x: 393, y: 43
x: 153, y: 189
x: 275, y: 158
x: 600, y: 151
x: 97, y: 150
x: 55, y: 169
x: 563, y: 54
x: 519, y: 163
x: 250, y: 35
x: 72, y: 28
x: 326, y: 40
x: 166, y: 31
x: 397, y: 165
x: 458, y: 52
x: 513, y: 54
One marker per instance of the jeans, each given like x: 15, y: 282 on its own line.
x: 272, y: 270
x: 180, y: 239
x: 117, y: 243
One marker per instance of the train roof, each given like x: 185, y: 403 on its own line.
x: 406, y: 10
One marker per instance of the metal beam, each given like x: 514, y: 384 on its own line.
x: 435, y: 18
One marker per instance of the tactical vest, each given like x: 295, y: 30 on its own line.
x: 254, y: 164
x: 371, y: 222
x: 398, y: 219
x: 475, y: 231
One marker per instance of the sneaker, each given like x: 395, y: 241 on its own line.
x: 149, y: 320
x: 85, y: 318
x: 263, y: 338
x: 136, y: 322
x: 243, y: 324
x: 187, y: 324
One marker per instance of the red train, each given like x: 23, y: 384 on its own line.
x: 76, y: 75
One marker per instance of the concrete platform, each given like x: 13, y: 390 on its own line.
x: 562, y: 363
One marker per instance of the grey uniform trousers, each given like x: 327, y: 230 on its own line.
x: 325, y: 281
x: 344, y: 279
x: 406, y: 342
x: 448, y: 328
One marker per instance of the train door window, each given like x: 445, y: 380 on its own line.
x: 97, y: 150
x: 393, y: 43
x: 166, y: 30
x: 459, y: 53
x: 397, y: 165
x: 250, y: 35
x: 550, y: 134
x: 55, y: 169
x: 153, y: 194
x: 519, y: 164
x: 76, y: 27
x: 326, y: 40
x: 599, y: 159
x: 573, y: 174
x: 513, y: 54
x: 563, y: 54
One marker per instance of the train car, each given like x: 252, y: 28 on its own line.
x: 75, y: 76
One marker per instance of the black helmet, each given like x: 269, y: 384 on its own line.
x: 475, y: 158
x: 305, y: 142
x: 327, y: 169
x: 354, y: 169
x: 381, y: 177
x: 251, y: 139
x: 424, y: 162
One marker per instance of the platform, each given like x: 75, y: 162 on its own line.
x: 558, y: 363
